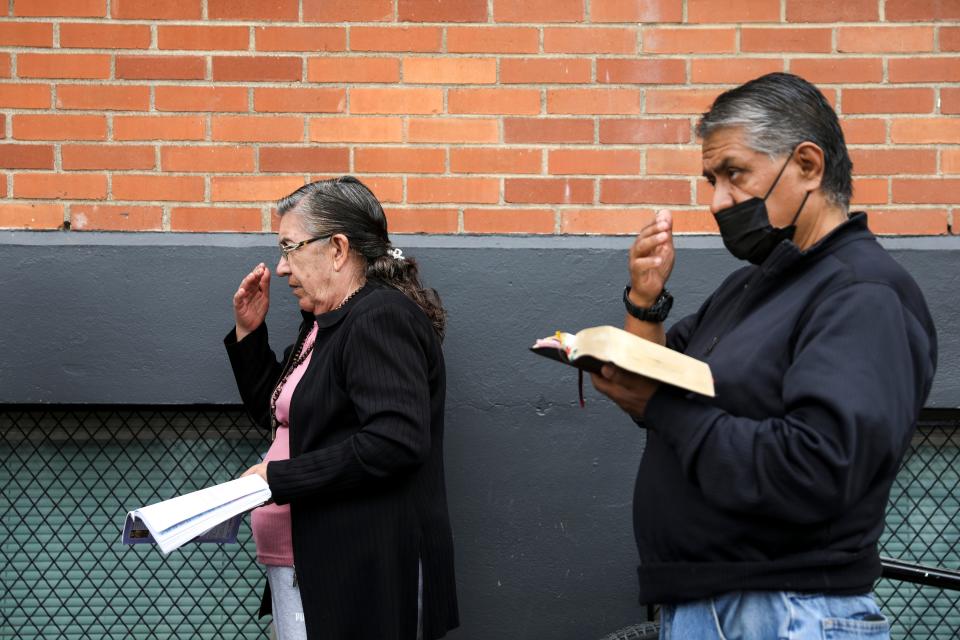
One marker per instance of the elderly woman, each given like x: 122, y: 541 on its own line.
x: 357, y: 543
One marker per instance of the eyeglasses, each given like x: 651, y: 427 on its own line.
x: 287, y: 249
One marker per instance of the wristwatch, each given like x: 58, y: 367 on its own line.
x: 658, y: 312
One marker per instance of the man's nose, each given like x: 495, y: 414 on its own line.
x: 721, y: 200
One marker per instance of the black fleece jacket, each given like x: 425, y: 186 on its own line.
x: 822, y: 361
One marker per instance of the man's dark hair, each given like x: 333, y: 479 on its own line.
x: 777, y: 112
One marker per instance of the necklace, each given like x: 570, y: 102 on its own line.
x: 302, y: 354
x: 345, y: 300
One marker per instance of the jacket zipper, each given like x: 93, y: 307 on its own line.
x: 745, y: 294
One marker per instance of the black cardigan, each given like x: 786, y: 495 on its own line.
x: 365, y: 478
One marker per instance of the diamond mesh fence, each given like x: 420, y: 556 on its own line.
x: 69, y: 475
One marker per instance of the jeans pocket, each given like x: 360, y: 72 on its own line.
x: 850, y: 628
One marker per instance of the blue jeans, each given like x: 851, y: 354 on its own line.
x: 774, y: 615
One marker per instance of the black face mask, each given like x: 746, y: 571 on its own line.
x: 746, y: 230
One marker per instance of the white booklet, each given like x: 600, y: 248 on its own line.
x: 208, y: 515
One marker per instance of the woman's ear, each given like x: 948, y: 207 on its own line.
x: 810, y: 158
x: 341, y: 250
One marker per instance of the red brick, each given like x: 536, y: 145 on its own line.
x: 212, y: 219
x: 950, y: 160
x: 921, y: 191
x: 200, y: 98
x: 353, y: 70
x: 158, y: 187
x: 926, y: 222
x: 494, y: 101
x: 422, y: 220
x: 594, y: 161
x: 68, y: 186
x: 347, y: 10
x: 689, y: 40
x: 636, y: 131
x: 203, y: 159
x: 299, y: 100
x: 158, y: 128
x: 674, y: 161
x: 256, y: 69
x: 60, y: 8
x: 252, y: 188
x: 711, y: 11
x: 104, y: 36
x: 467, y: 190
x: 643, y: 71
x: 633, y: 11
x: 877, y: 39
x: 103, y: 97
x: 386, y: 189
x: 644, y: 191
x: 26, y: 156
x: 605, y: 221
x: 838, y: 70
x: 495, y: 160
x: 301, y: 38
x: 731, y: 70
x: 949, y: 100
x: 265, y: 10
x: 59, y: 127
x: 491, y: 40
x: 884, y: 162
x: 153, y: 10
x: 63, y: 65
x: 442, y: 10
x: 681, y: 100
x: 593, y: 101
x: 161, y: 68
x: 6, y: 66
x: 398, y: 100
x: 887, y: 100
x: 257, y: 129
x: 98, y: 156
x: 99, y: 217
x: 949, y: 38
x: 925, y: 131
x: 402, y: 39
x: 26, y: 34
x: 548, y: 190
x: 536, y: 11
x: 869, y: 191
x: 694, y: 221
x: 584, y: 40
x: 304, y: 159
x: 501, y: 220
x: 846, y: 11
x: 547, y: 130
x: 399, y: 160
x: 544, y: 70
x: 864, y: 131
x: 30, y: 216
x: 25, y: 96
x: 922, y: 10
x: 360, y: 129
x: 455, y: 130
x: 785, y: 39
x: 450, y: 70
x: 196, y: 38
x: 916, y: 69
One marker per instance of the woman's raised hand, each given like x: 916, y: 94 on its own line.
x: 651, y: 259
x: 251, y: 301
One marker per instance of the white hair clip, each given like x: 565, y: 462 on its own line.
x: 396, y: 253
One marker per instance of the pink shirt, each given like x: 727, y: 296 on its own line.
x: 271, y: 523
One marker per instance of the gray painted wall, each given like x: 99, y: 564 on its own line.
x: 540, y: 489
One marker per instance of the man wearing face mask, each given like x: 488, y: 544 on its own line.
x: 757, y: 512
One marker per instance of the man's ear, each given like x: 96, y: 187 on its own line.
x: 810, y: 158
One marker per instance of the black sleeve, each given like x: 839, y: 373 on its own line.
x: 256, y: 370
x: 386, y: 375
x: 852, y: 395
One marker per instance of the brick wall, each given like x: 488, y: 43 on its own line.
x: 464, y: 116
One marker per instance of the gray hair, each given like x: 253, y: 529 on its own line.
x: 779, y: 111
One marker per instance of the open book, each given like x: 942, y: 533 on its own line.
x: 590, y: 349
x: 208, y: 515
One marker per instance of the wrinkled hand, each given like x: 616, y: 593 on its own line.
x: 252, y: 300
x: 259, y: 469
x: 628, y: 390
x: 651, y: 259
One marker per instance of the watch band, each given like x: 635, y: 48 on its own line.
x: 658, y: 312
